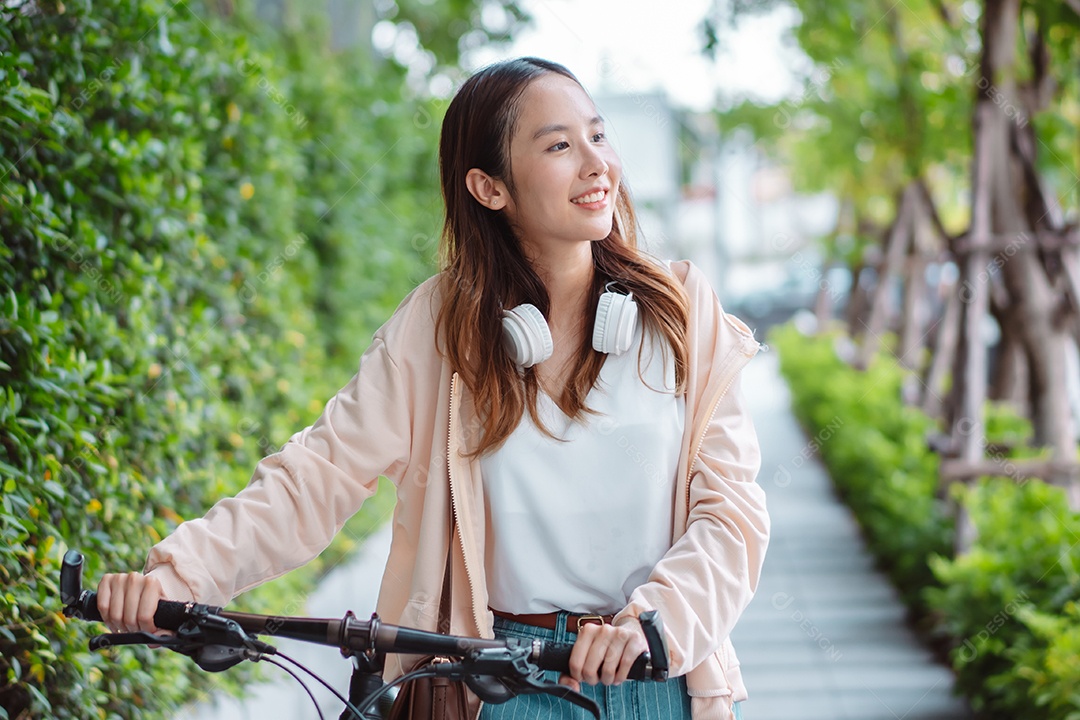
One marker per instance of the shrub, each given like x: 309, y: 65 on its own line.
x: 1051, y: 666
x: 1010, y: 601
x: 188, y: 272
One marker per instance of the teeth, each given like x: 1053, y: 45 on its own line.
x: 595, y: 197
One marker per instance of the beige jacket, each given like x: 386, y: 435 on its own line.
x: 407, y: 415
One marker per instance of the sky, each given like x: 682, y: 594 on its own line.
x: 633, y: 46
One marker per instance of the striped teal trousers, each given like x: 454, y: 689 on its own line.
x: 629, y: 701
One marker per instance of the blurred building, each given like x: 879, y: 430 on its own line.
x: 643, y: 127
x: 722, y: 203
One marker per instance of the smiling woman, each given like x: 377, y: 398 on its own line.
x: 560, y: 414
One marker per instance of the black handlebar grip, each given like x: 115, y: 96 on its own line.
x: 653, y: 627
x: 71, y: 577
x: 85, y: 608
x: 171, y: 614
x: 556, y: 656
x: 640, y: 669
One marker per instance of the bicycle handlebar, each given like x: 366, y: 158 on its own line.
x: 353, y: 635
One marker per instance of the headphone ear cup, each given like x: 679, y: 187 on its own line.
x: 616, y: 319
x: 526, y: 335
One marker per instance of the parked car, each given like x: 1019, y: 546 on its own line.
x: 765, y: 307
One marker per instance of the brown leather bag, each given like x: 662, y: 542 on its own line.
x: 431, y: 698
x: 434, y: 698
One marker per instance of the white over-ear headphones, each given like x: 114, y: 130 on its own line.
x: 527, y: 337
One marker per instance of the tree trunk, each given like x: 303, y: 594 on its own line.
x: 999, y: 39
x: 858, y: 300
x: 943, y: 356
x: 1007, y: 185
x: 899, y: 240
x: 1009, y: 377
x: 823, y: 306
x: 916, y: 312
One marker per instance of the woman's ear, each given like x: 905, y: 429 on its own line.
x: 488, y: 191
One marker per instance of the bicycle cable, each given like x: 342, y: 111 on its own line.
x: 299, y: 680
x: 325, y: 684
x: 368, y: 702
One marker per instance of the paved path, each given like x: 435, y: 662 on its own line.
x: 825, y: 636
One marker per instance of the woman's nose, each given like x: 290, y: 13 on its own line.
x: 594, y: 164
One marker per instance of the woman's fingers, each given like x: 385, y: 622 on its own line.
x: 112, y: 597
x: 605, y: 653
x: 104, y: 600
x: 127, y: 601
x: 132, y: 599
x: 593, y: 642
x: 635, y: 645
x: 610, y: 666
x: 148, y: 602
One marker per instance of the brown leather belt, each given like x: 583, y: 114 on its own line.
x: 548, y: 620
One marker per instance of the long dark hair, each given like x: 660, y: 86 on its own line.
x: 485, y: 268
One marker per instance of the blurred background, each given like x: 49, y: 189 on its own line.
x: 208, y: 207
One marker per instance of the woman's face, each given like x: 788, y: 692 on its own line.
x: 565, y: 173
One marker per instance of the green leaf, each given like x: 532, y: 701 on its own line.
x: 54, y: 488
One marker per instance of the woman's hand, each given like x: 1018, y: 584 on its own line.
x: 127, y: 602
x: 604, y: 653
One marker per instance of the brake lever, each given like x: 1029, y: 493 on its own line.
x: 499, y: 690
x: 484, y: 672
x: 213, y: 642
x: 216, y: 643
x: 102, y: 642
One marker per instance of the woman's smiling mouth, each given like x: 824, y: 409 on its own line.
x: 595, y: 198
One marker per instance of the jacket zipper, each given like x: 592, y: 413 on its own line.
x: 454, y: 507
x: 701, y: 437
x: 454, y: 504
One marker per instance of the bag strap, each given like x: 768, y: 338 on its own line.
x: 443, y: 625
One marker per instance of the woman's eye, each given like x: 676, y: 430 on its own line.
x: 559, y: 146
x: 598, y: 137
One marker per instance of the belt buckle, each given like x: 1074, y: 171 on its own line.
x: 589, y: 619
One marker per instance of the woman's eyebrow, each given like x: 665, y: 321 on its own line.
x: 556, y: 127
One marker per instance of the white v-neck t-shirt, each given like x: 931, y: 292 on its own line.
x: 578, y: 525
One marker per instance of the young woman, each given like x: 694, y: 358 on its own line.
x: 559, y: 412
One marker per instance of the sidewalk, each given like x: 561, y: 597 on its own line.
x: 825, y: 636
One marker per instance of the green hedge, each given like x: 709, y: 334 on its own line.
x: 1007, y: 609
x: 200, y: 234
x: 1011, y: 602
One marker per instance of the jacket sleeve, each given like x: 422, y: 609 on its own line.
x: 704, y: 582
x: 299, y: 497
